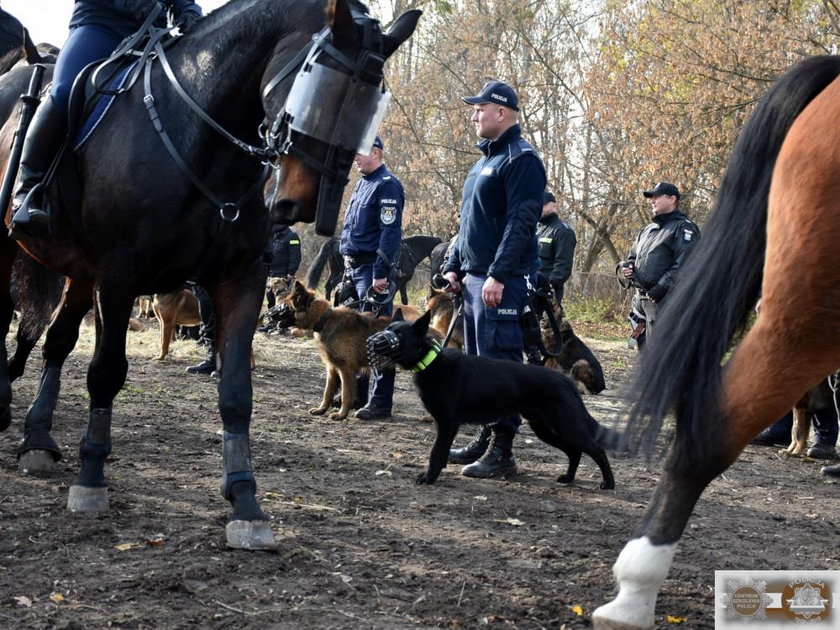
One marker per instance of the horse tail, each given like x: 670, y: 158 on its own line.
x: 37, y: 292
x: 680, y: 368
x: 313, y: 274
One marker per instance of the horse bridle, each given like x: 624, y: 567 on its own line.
x: 343, y: 139
x: 351, y: 131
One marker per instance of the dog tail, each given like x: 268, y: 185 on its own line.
x: 607, y: 438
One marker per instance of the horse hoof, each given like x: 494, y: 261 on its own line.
x: 600, y: 623
x: 36, y: 462
x: 252, y: 535
x: 84, y: 499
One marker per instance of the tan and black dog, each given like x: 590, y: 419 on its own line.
x: 176, y: 308
x: 573, y: 357
x: 441, y: 307
x: 341, y: 334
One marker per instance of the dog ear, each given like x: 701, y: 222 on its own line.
x: 398, y: 316
x: 421, y: 326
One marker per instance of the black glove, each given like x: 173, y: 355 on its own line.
x: 187, y: 21
x: 657, y: 293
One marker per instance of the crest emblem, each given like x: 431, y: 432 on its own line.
x: 388, y: 214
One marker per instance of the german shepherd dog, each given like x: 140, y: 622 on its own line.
x: 441, y: 307
x: 177, y: 308
x: 456, y: 388
x: 815, y: 399
x: 341, y: 333
x: 573, y: 357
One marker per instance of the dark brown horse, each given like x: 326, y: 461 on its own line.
x: 775, y: 233
x: 168, y: 187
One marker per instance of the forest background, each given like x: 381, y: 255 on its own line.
x: 615, y: 95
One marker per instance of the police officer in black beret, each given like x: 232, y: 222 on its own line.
x: 497, y: 249
x: 97, y: 27
x: 369, y: 243
x: 661, y: 248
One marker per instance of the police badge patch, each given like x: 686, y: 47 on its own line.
x: 388, y: 214
x: 687, y: 235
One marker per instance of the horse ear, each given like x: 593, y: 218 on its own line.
x: 399, y: 31
x: 340, y: 22
x: 421, y: 326
x: 398, y: 316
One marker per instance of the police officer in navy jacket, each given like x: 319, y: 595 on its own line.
x: 497, y: 249
x: 96, y: 29
x: 369, y: 242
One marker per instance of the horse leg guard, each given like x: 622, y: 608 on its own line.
x: 248, y: 528
x: 38, y: 451
x: 89, y: 492
x: 639, y: 571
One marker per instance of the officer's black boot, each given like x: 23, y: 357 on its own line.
x: 208, y: 366
x: 43, y: 140
x: 498, y: 460
x: 472, y: 451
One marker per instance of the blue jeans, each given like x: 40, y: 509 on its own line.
x: 378, y: 389
x: 495, y: 333
x: 84, y: 45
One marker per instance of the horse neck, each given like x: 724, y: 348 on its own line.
x: 221, y: 64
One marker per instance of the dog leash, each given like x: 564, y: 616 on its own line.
x: 458, y: 299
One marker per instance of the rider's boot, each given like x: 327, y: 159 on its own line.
x: 43, y: 139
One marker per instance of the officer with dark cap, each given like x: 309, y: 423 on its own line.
x: 497, y: 250
x: 97, y: 27
x: 557, y: 247
x: 369, y: 243
x: 661, y: 248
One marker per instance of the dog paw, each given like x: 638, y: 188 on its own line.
x: 565, y: 479
x: 423, y: 480
x: 607, y: 486
x: 317, y: 411
x: 338, y: 415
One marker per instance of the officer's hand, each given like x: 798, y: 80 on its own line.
x: 657, y: 293
x: 627, y: 269
x: 454, y: 285
x: 491, y: 292
x: 380, y: 284
x: 187, y: 21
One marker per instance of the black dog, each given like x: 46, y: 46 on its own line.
x: 456, y: 388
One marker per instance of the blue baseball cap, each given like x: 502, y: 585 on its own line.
x: 495, y: 92
x: 377, y: 143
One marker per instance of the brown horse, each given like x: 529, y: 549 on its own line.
x: 783, y: 181
x: 171, y: 187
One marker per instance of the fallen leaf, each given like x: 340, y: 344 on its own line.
x: 577, y: 610
x: 380, y: 473
x: 675, y: 620
x: 23, y: 600
x: 480, y: 497
x: 57, y: 597
x: 127, y: 546
x: 510, y: 521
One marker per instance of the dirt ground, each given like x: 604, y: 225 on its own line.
x: 360, y: 545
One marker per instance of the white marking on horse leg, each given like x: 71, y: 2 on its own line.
x: 639, y: 571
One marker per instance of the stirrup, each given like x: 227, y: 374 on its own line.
x: 25, y: 222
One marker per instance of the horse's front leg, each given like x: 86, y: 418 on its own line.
x: 237, y: 307
x: 38, y: 451
x: 106, y: 376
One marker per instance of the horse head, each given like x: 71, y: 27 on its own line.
x: 331, y: 112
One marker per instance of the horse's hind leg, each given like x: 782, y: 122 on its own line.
x: 106, y: 376
x: 761, y: 382
x: 237, y: 307
x: 38, y: 451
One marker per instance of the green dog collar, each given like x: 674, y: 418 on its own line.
x: 426, y: 361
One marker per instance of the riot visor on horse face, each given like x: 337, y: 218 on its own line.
x: 333, y: 111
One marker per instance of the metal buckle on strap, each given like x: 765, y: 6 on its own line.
x: 224, y: 212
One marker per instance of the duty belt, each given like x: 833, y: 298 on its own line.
x: 357, y: 260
